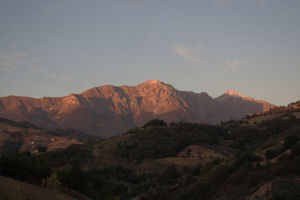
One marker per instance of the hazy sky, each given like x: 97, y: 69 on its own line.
x: 53, y: 48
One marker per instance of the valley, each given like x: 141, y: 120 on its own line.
x: 255, y: 157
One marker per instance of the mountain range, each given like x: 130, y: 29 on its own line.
x: 110, y: 110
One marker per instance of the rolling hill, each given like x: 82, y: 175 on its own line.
x: 257, y: 157
x: 26, y: 137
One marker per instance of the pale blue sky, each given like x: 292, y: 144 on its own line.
x: 57, y: 47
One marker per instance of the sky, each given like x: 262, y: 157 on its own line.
x: 58, y: 47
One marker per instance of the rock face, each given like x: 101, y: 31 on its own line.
x: 110, y: 110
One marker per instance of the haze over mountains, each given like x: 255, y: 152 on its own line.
x: 109, y: 110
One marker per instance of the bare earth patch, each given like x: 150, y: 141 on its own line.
x: 297, y: 115
x: 192, y: 155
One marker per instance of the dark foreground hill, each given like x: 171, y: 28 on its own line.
x: 11, y: 189
x: 109, y: 110
x: 254, y: 158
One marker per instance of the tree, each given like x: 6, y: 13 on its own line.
x: 16, y: 195
x: 42, y: 149
x: 52, y: 182
x: 155, y: 122
x: 290, y: 141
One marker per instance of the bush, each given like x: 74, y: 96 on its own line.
x: 42, y: 149
x: 295, y: 150
x: 52, y: 182
x: 170, y: 173
x: 290, y: 141
x: 155, y: 122
x: 246, y: 158
x: 16, y: 194
x: 272, y: 153
x: 220, y: 173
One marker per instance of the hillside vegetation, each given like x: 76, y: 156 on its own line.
x: 24, y: 136
x: 254, y: 158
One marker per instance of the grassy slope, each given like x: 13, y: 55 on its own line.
x: 13, y: 189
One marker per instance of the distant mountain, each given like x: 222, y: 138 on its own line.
x: 109, y: 110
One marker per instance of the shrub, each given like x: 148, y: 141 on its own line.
x: 155, y: 122
x: 170, y: 173
x: 42, y: 149
x: 272, y: 153
x: 52, y: 182
x: 290, y: 141
x: 295, y: 150
x: 16, y: 195
x: 246, y: 158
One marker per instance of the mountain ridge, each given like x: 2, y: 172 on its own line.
x: 109, y: 110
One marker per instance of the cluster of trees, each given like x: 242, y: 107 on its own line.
x: 34, y: 168
x: 247, y: 138
x: 219, y: 180
x: 289, y: 143
x: 157, y: 139
x: 232, y: 179
x: 22, y: 124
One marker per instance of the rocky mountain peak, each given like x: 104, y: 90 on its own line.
x: 109, y: 110
x: 154, y: 83
x: 233, y: 93
x: 237, y: 94
x: 151, y: 82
